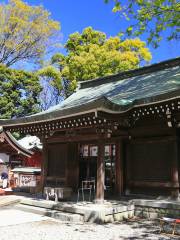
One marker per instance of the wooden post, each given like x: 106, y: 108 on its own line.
x: 100, y: 174
x: 128, y: 177
x: 174, y: 172
x: 44, y: 164
x: 119, y: 168
x: 73, y: 166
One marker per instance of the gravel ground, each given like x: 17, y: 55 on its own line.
x: 48, y: 229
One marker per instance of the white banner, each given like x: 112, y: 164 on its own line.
x: 27, y: 181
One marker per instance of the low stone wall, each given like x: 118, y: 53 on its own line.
x: 149, y: 212
x: 119, y: 216
x: 156, y: 209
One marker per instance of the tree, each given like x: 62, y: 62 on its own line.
x: 25, y: 32
x: 19, y: 93
x: 92, y: 55
x: 51, y: 94
x: 152, y: 17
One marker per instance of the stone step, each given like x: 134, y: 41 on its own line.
x: 39, y: 203
x: 9, y: 200
x: 91, y: 212
x: 63, y: 216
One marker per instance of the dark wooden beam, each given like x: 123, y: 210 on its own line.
x: 113, y: 117
x: 100, y: 173
x: 119, y: 168
x: 153, y: 184
x: 44, y: 165
x: 175, y: 171
x: 77, y: 138
x: 127, y: 170
x: 157, y: 139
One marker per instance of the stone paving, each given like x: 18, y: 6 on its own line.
x: 10, y: 216
x: 19, y: 225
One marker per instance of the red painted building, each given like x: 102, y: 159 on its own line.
x: 24, y: 154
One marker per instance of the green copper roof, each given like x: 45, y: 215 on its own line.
x: 119, y: 92
x: 126, y: 91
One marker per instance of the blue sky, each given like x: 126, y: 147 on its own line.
x: 74, y: 15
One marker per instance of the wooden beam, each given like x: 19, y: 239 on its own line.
x: 153, y: 184
x: 73, y: 166
x: 113, y: 117
x: 157, y: 139
x: 100, y: 173
x: 119, y: 168
x: 77, y: 138
x: 128, y: 167
x: 44, y: 165
x: 174, y: 171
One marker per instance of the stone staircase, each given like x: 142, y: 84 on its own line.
x: 109, y: 211
x: 9, y: 200
x: 78, y: 212
x: 62, y: 216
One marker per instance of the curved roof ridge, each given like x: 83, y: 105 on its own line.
x: 14, y: 143
x: 130, y: 73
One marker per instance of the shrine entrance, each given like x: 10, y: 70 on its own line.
x: 88, y: 165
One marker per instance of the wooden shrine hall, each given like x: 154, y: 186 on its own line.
x: 121, y: 130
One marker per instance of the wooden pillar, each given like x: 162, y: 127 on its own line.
x: 119, y: 168
x: 100, y: 173
x: 44, y: 164
x: 175, y: 172
x: 73, y: 166
x: 128, y: 177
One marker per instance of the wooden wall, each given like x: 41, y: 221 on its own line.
x: 62, y: 165
x: 151, y: 161
x: 73, y: 166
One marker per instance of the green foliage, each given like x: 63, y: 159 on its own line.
x: 91, y: 55
x: 151, y: 17
x: 19, y: 93
x: 25, y: 32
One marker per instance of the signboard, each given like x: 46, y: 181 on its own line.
x: 93, y: 151
x: 27, y: 181
x: 107, y: 150
x: 85, y: 151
